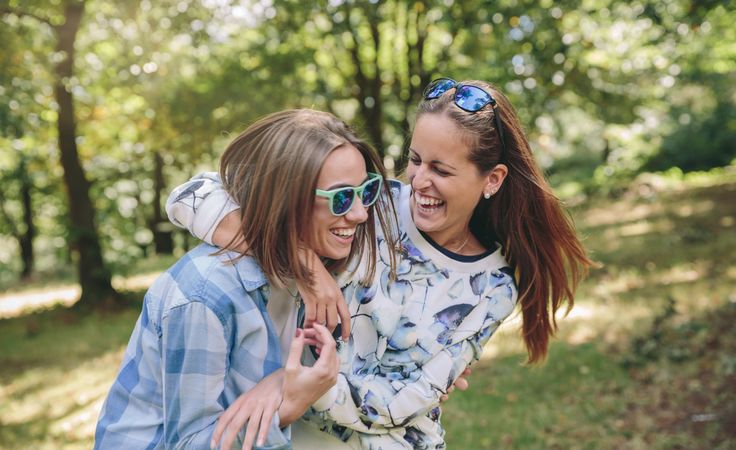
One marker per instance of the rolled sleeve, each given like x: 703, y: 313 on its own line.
x: 199, y: 205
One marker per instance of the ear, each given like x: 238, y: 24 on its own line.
x: 495, y: 179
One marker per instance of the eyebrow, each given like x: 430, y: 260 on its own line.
x: 342, y: 185
x: 434, y: 161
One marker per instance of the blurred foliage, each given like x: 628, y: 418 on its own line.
x: 606, y: 90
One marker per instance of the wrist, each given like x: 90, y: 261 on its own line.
x: 289, y: 412
x: 326, y: 400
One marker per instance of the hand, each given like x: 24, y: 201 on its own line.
x: 461, y: 383
x: 323, y: 300
x: 257, y: 407
x: 304, y: 385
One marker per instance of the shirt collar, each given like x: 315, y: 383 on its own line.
x: 249, y: 271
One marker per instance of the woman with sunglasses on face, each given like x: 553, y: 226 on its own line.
x: 476, y: 219
x: 217, y: 327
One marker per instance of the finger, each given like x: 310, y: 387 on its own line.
x: 327, y: 351
x: 311, y: 337
x: 444, y: 398
x: 451, y: 388
x: 321, y: 314
x: 295, y: 351
x: 310, y: 314
x: 321, y: 334
x: 232, y: 430
x: 466, y: 372
x: 309, y: 332
x: 223, y: 422
x: 461, y: 383
x: 252, y: 429
x: 312, y: 342
x: 331, y: 312
x: 266, y: 424
x: 344, y: 313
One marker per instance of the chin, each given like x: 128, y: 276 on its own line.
x: 333, y: 253
x: 338, y: 255
x: 427, y: 226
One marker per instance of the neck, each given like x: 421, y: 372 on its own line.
x: 454, y: 243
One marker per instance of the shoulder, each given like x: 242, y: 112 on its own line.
x: 219, y: 281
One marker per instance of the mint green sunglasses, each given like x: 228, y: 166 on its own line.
x: 342, y: 199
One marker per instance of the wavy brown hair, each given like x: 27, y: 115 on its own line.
x: 538, y: 236
x: 271, y: 171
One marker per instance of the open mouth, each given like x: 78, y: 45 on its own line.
x: 343, y: 234
x: 427, y: 204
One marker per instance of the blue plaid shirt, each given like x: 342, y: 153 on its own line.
x: 203, y: 338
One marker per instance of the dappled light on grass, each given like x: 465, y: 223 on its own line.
x: 18, y: 303
x: 66, y: 402
x: 642, y: 361
x: 15, y: 304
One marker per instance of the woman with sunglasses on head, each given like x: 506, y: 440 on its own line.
x: 476, y: 215
x: 217, y: 327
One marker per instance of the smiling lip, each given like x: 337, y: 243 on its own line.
x: 345, y: 237
x: 427, y: 205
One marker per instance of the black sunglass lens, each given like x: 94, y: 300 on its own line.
x: 342, y: 201
x: 471, y: 98
x: 370, y: 194
x: 439, y: 87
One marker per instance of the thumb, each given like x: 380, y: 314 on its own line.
x: 295, y: 351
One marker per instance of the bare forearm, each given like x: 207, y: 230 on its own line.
x: 227, y: 232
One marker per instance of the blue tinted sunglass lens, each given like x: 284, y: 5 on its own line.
x: 342, y: 201
x: 439, y: 87
x: 370, y: 194
x: 471, y: 98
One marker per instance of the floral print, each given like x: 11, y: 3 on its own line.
x: 412, y: 337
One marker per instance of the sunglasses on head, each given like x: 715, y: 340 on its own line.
x: 468, y: 98
x: 342, y: 199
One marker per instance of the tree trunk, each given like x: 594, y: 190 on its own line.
x: 26, y: 239
x: 163, y: 239
x: 94, y: 277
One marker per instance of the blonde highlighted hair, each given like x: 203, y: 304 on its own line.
x: 271, y: 171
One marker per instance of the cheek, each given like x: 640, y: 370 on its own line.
x: 322, y: 220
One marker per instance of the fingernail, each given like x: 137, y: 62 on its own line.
x: 212, y: 445
x: 298, y: 332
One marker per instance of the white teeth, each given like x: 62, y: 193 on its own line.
x: 345, y: 232
x: 427, y: 201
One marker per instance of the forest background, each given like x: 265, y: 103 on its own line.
x: 630, y: 108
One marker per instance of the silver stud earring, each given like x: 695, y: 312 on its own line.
x: 487, y: 195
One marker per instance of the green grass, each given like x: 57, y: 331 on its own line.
x: 55, y: 370
x: 646, y: 359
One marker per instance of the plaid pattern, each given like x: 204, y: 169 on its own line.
x: 411, y: 337
x: 203, y: 338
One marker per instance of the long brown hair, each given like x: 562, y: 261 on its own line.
x: 271, y: 171
x: 537, y: 235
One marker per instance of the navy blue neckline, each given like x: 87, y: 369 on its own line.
x: 456, y: 256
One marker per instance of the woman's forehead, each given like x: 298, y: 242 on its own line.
x: 343, y: 166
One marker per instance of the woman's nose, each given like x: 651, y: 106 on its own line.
x: 420, y: 179
x: 358, y: 212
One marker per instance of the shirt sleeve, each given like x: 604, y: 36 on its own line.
x: 199, y: 205
x: 195, y: 364
x: 375, y: 403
